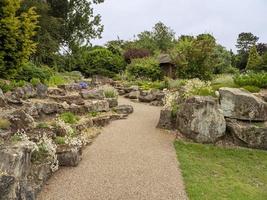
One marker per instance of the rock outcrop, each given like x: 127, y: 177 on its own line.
x: 200, y: 119
x: 248, y: 134
x: 242, y: 105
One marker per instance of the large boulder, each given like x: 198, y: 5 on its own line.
x: 100, y: 106
x: 242, y: 105
x: 147, y: 98
x: 69, y: 156
x: 41, y: 90
x: 113, y: 102
x: 124, y: 109
x: 248, y: 134
x: 200, y: 119
x: 70, y: 99
x: 15, y: 160
x: 134, y: 95
x: 49, y: 108
x: 166, y: 120
x: 20, y: 120
x: 92, y: 94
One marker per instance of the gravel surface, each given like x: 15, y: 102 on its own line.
x: 130, y: 160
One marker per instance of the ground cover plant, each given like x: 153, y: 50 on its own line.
x: 212, y: 172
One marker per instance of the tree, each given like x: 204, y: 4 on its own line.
x: 245, y: 41
x: 193, y: 57
x: 160, y: 38
x: 16, y: 44
x: 254, y: 60
x: 222, y: 60
x: 261, y: 48
x: 64, y: 25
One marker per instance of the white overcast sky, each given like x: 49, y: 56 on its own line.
x: 225, y: 19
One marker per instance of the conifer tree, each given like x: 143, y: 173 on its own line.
x: 254, y: 59
x: 16, y: 32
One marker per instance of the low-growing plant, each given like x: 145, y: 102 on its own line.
x: 4, y: 124
x: 93, y: 114
x: 251, y: 78
x: 42, y: 125
x: 251, y: 88
x: 197, y: 87
x: 35, y: 81
x: 56, y: 80
x: 175, y: 109
x: 60, y: 140
x: 11, y: 85
x: 69, y: 117
x: 18, y: 137
x: 109, y: 92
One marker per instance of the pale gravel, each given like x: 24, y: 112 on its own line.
x: 130, y: 160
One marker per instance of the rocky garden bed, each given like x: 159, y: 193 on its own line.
x: 42, y: 129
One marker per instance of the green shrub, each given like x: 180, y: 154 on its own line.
x: 69, y: 118
x: 30, y: 71
x: 255, y: 79
x: 42, y: 125
x: 93, y: 114
x: 9, y: 86
x: 60, y: 140
x: 224, y: 80
x: 175, y: 84
x: 35, y: 81
x: 101, y: 62
x: 251, y: 88
x: 4, y: 124
x: 145, y: 68
x: 56, y: 80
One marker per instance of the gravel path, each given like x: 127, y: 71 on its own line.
x: 130, y: 160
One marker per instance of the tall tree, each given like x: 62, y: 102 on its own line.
x: 16, y: 32
x: 245, y: 41
x: 160, y: 38
x: 254, y: 59
x: 64, y: 24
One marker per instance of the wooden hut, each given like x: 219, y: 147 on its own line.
x: 167, y: 66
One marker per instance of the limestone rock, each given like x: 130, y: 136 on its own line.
x: 69, y: 156
x: 100, y: 106
x: 41, y: 90
x: 56, y: 92
x: 253, y: 135
x: 70, y: 99
x: 101, y: 121
x: 92, y: 94
x: 242, y: 105
x: 124, y: 109
x: 113, y: 102
x: 166, y: 120
x: 134, y: 95
x: 200, y: 119
x: 20, y: 120
x: 15, y: 160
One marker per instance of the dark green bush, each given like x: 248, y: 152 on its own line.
x: 145, y: 68
x: 30, y: 71
x: 255, y: 79
x: 101, y: 62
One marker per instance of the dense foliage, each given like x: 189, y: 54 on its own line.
x: 252, y: 79
x: 144, y: 68
x: 193, y: 57
x: 131, y: 54
x: 101, y: 62
x: 16, y: 32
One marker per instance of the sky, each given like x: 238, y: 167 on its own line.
x: 225, y: 19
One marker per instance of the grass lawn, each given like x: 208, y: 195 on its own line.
x: 213, y: 173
